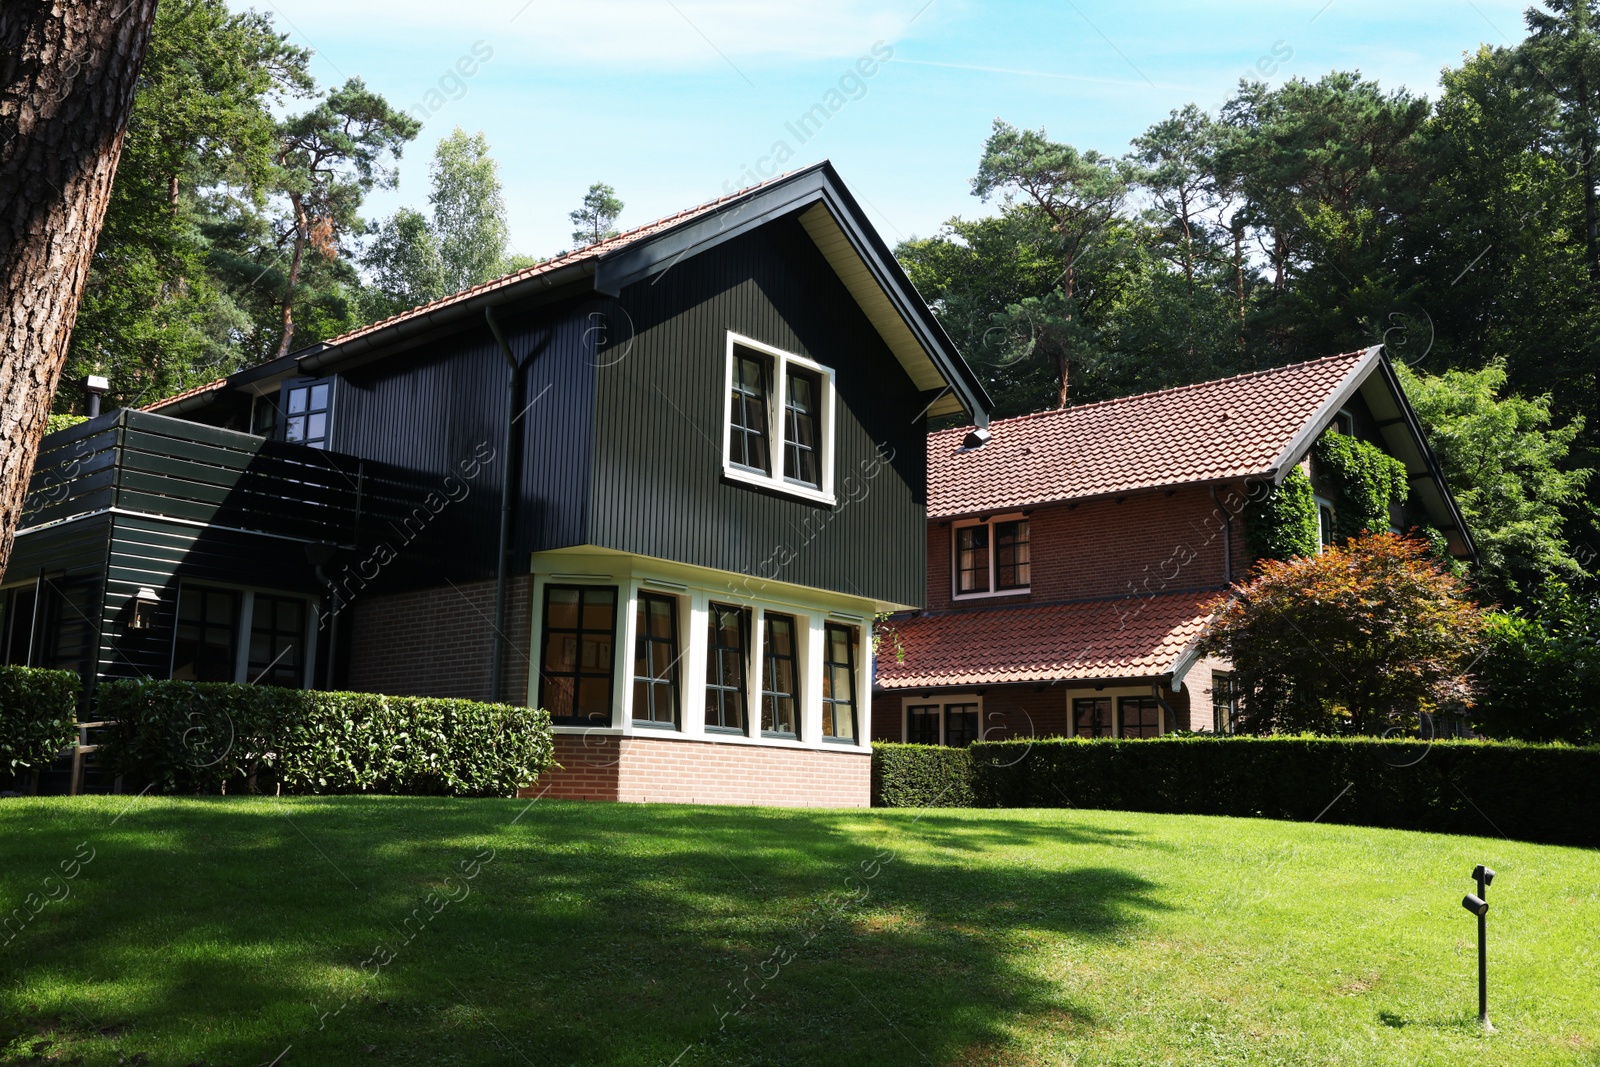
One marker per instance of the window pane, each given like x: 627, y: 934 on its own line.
x: 316, y: 426
x: 960, y: 725
x: 1092, y: 717
x: 725, y: 668
x: 1011, y: 554
x: 800, y: 428
x: 922, y: 724
x: 972, y: 559
x: 205, y: 643
x: 319, y: 397
x: 295, y: 429
x: 297, y: 401
x: 780, y: 693
x: 838, y: 683
x: 656, y: 660
x: 277, y: 641
x: 747, y: 413
x: 578, y: 654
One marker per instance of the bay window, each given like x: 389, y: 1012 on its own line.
x: 655, y: 660
x: 839, y: 682
x: 576, y: 667
x: 725, y: 669
x: 780, y: 682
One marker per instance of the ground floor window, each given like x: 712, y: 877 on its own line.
x: 725, y: 668
x: 655, y: 660
x: 780, y: 680
x: 953, y: 724
x: 211, y: 635
x: 1141, y: 716
x: 575, y: 671
x: 1224, y: 703
x: 839, y: 682
x: 922, y: 724
x: 1091, y: 717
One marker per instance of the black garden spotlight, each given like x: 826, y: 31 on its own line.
x: 1478, y: 904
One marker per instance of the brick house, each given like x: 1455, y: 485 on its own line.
x: 1072, y: 554
x: 659, y: 486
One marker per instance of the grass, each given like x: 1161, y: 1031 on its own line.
x: 228, y: 931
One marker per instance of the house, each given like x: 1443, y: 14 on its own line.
x: 659, y: 486
x: 1072, y: 554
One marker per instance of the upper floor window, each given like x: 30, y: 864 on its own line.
x: 307, y: 407
x: 1344, y: 423
x: 992, y: 557
x: 778, y: 429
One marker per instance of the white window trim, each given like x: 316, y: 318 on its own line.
x: 994, y: 561
x: 245, y: 623
x: 777, y: 480
x: 694, y: 600
x: 1324, y: 537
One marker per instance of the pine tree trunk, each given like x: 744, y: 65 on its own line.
x: 302, y: 234
x: 67, y: 77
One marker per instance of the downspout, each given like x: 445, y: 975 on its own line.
x: 513, y: 376
x: 1227, y: 538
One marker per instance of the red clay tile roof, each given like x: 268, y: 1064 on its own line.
x: 577, y: 255
x: 1120, y: 637
x: 1228, y: 428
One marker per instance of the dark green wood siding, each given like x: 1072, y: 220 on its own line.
x: 658, y: 487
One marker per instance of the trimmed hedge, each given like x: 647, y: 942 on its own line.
x: 198, y: 737
x: 921, y: 776
x: 1543, y: 793
x: 38, y: 716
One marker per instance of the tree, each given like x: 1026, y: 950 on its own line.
x: 415, y: 260
x: 469, y: 211
x: 593, y: 221
x: 1540, y: 677
x: 329, y: 158
x: 67, y: 78
x: 1353, y: 640
x: 1563, y: 51
x: 1078, y: 193
x: 155, y: 319
x: 1507, y: 468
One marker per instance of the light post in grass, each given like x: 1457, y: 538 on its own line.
x: 1478, y: 904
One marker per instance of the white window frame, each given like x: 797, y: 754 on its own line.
x: 1347, y: 417
x: 1324, y: 537
x: 994, y: 558
x: 777, y: 480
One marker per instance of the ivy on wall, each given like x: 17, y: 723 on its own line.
x: 1283, y: 524
x: 1364, y: 480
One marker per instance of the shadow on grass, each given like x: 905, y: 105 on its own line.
x: 225, y: 932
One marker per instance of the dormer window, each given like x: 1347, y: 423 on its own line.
x: 307, y: 408
x: 778, y: 430
x: 992, y: 557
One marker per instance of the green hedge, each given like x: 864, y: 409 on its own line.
x: 1545, y: 793
x: 921, y: 776
x: 38, y: 716
x: 193, y: 737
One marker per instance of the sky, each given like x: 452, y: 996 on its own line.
x: 674, y: 102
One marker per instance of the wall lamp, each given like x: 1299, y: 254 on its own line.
x: 145, y: 603
x: 1478, y: 904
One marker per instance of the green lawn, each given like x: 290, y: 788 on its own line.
x: 226, y: 931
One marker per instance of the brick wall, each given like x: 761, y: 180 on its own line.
x: 662, y: 770
x: 439, y: 642
x: 1149, y: 543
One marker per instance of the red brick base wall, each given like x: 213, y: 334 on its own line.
x: 641, y: 769
x: 439, y: 642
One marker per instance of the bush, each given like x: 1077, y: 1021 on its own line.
x: 199, y: 737
x: 38, y: 715
x: 921, y: 776
x: 1544, y: 793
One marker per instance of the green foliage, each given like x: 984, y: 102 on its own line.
x: 1282, y: 524
x: 594, y: 220
x: 38, y: 715
x: 62, y: 422
x: 1536, y: 792
x: 199, y: 737
x: 1508, y: 468
x: 1365, y: 481
x: 1540, y: 676
x: 1364, y: 636
x: 921, y: 776
x: 414, y: 260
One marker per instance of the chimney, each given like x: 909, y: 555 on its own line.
x: 94, y: 387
